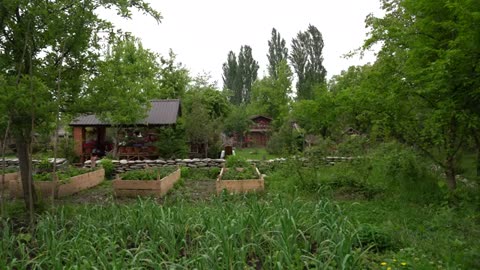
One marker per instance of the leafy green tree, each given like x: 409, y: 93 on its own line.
x: 307, y: 60
x: 126, y: 80
x: 237, y: 122
x: 205, y: 108
x: 316, y: 116
x: 239, y: 76
x: 429, y: 57
x: 44, y: 43
x: 277, y: 53
x: 215, y: 102
x: 248, y: 68
x: 172, y: 141
x: 231, y: 81
x: 270, y: 95
x: 174, y: 78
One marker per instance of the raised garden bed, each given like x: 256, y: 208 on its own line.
x: 65, y: 186
x: 149, y: 182
x: 240, y: 180
x: 13, y: 176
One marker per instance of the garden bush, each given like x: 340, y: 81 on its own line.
x: 109, y: 168
x: 236, y: 162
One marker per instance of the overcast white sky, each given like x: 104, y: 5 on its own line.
x: 202, y: 33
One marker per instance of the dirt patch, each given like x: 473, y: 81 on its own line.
x: 187, y: 190
x: 193, y: 190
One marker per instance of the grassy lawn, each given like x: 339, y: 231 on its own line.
x: 254, y: 153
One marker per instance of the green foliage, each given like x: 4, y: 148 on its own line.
x: 307, y: 60
x: 316, y: 116
x: 239, y: 76
x: 270, y: 95
x: 375, y: 237
x: 125, y: 83
x: 407, y: 235
x: 172, y: 142
x: 246, y: 232
x: 277, y: 53
x: 63, y: 175
x: 174, y: 78
x: 286, y: 141
x: 353, y: 145
x: 237, y: 122
x: 108, y: 166
x: 423, y: 75
x: 44, y: 165
x: 67, y: 151
x: 254, y: 153
x: 148, y: 174
x: 235, y: 161
x: 243, y: 173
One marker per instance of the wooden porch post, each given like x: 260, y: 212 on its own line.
x: 79, y: 139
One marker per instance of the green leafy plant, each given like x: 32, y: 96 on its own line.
x: 236, y: 162
x: 63, y: 175
x: 109, y: 168
x: 148, y: 174
x: 243, y: 173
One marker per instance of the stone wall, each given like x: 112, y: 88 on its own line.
x: 124, y: 165
x: 12, y: 163
x: 128, y: 165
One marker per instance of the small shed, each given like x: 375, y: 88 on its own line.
x: 163, y: 112
x: 258, y: 134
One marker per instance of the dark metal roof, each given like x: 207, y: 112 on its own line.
x: 253, y: 117
x: 162, y: 112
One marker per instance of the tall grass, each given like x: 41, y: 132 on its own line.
x: 227, y: 233
x: 389, y: 169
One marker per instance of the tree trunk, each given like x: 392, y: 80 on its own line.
x: 4, y: 165
x: 477, y: 144
x: 450, y: 173
x: 24, y: 157
x: 478, y: 161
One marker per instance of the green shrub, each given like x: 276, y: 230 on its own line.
x: 236, y: 162
x: 285, y: 141
x: 353, y: 145
x: 374, y: 238
x: 402, y: 170
x: 109, y: 168
x: 172, y: 142
x: 66, y: 150
x: 244, y: 173
x: 44, y: 166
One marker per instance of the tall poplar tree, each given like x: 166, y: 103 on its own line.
x: 277, y: 52
x: 247, y: 69
x: 239, y: 75
x: 231, y: 82
x: 307, y: 60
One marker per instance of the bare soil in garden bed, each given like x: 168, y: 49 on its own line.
x: 191, y: 190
